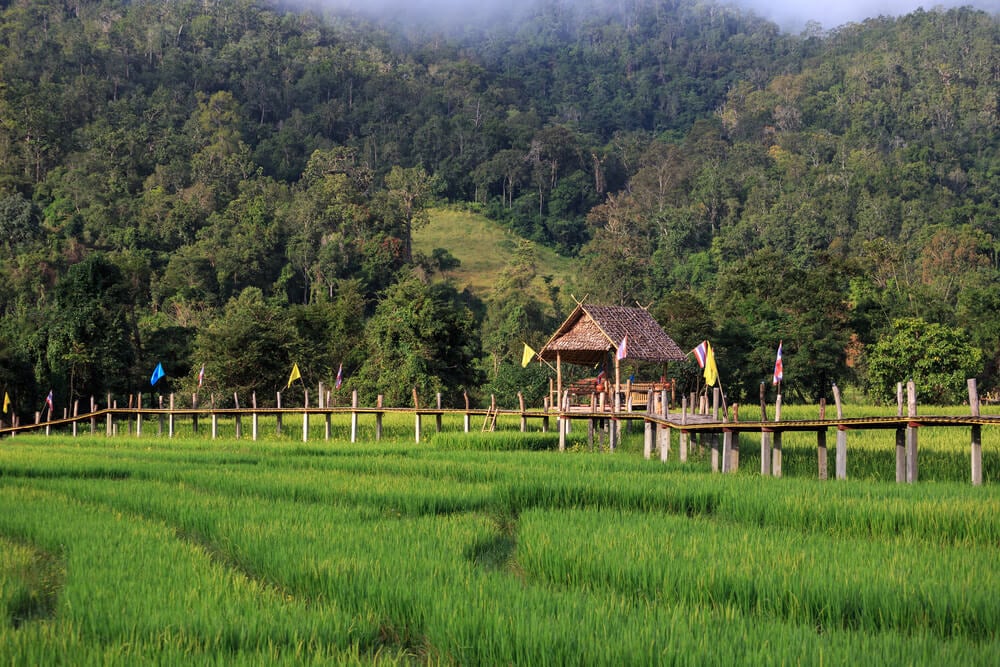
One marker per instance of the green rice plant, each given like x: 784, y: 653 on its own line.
x: 812, y: 579
x: 498, y: 441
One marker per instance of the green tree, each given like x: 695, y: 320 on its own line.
x: 249, y: 347
x: 91, y: 346
x: 421, y: 336
x: 939, y: 359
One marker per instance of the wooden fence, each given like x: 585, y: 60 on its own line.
x: 658, y: 420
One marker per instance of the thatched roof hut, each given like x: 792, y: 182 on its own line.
x: 591, y: 332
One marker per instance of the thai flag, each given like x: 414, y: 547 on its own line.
x: 701, y: 353
x: 48, y: 401
x: 779, y: 370
x: 340, y: 376
x: 622, y: 349
x: 201, y: 375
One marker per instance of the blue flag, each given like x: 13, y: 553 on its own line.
x: 157, y: 374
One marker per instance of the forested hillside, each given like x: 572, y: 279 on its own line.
x: 236, y: 184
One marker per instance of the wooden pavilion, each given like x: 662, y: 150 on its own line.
x: 593, y: 332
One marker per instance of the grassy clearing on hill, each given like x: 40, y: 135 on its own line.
x: 483, y: 247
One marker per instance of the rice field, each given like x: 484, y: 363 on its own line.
x: 490, y: 549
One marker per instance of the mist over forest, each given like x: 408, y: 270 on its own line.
x: 236, y: 186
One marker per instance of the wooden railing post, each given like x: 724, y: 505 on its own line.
x: 194, y: 415
x: 976, y: 445
x: 277, y: 427
x: 170, y: 419
x: 305, y: 415
x: 911, y: 433
x: 841, y: 455
x: 437, y: 417
x: 254, y: 422
x: 239, y: 417
x: 354, y: 415
x: 378, y: 418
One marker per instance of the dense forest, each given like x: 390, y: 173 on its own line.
x: 234, y: 185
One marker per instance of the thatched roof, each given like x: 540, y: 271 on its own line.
x: 590, y: 332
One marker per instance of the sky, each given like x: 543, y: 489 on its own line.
x: 793, y: 14
x: 790, y: 15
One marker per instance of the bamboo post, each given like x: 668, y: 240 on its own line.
x: 591, y: 427
x: 900, y: 455
x: 765, y: 436
x: 159, y: 425
x: 438, y: 416
x: 215, y: 418
x: 713, y: 443
x: 305, y: 415
x: 239, y: 417
x: 109, y: 419
x: 254, y: 421
x: 899, y: 399
x: 138, y: 416
x: 378, y: 418
x: 416, y: 412
x: 684, y: 438
x: 716, y: 394
x: 76, y: 407
x: 561, y: 421
x: 976, y: 445
x: 664, y: 430
x: 776, y: 451
x: 821, y: 443
x: 520, y: 406
x: 649, y: 431
x: 841, y: 456
x: 467, y: 417
x: 278, y: 415
x: 324, y: 404
x: 727, y: 450
x: 170, y: 420
x: 354, y: 415
x: 194, y: 415
x: 911, y: 432
x: 93, y: 416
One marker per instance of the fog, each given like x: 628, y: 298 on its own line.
x: 790, y: 15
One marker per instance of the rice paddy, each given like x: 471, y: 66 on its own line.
x: 490, y: 549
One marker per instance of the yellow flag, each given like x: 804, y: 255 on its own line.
x: 711, y: 371
x: 294, y: 376
x: 528, y: 355
x: 6, y: 402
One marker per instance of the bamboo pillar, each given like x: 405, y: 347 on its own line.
x: 663, y: 430
x: 324, y: 403
x: 254, y: 420
x: 170, y: 420
x: 215, y: 419
x: 561, y: 421
x: 378, y: 418
x: 976, y: 446
x: 438, y: 416
x: 138, y: 416
x: 278, y: 415
x: 109, y: 419
x: 765, y: 436
x: 416, y: 412
x: 900, y: 455
x: 354, y: 415
x: 194, y: 415
x: 239, y: 417
x: 305, y: 415
x: 160, y: 419
x: 911, y: 433
x: 821, y: 443
x: 841, y: 456
x: 467, y: 417
x: 520, y: 406
x: 650, y: 429
x: 76, y: 408
x: 727, y: 450
x: 684, y: 438
x: 776, y: 452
